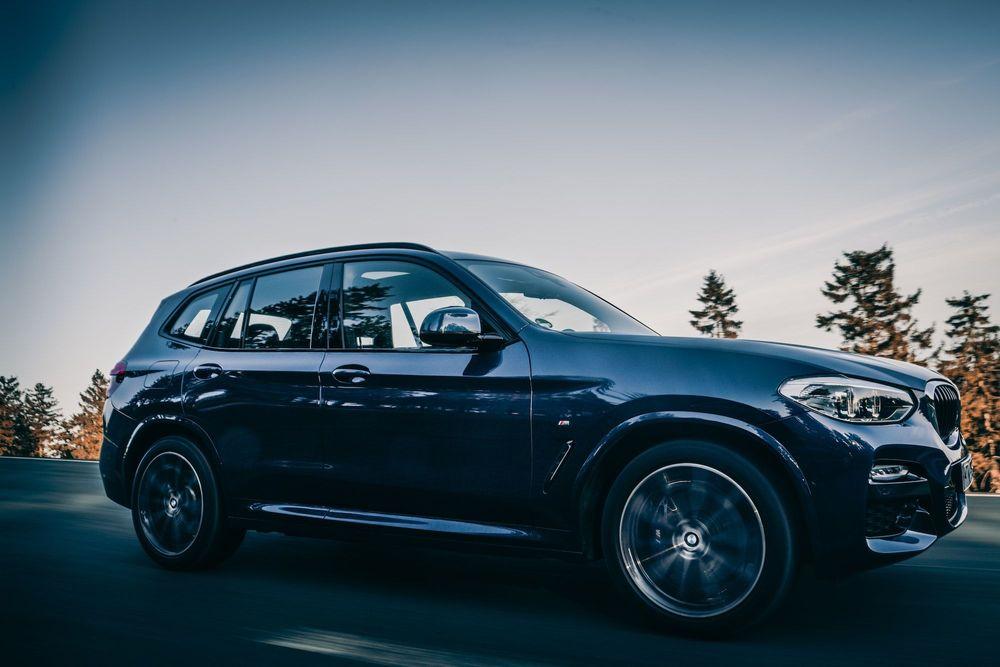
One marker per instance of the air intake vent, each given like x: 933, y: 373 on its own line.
x: 947, y: 408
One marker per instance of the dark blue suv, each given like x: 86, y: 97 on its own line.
x: 391, y: 391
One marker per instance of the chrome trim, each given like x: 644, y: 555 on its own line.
x: 419, y: 523
x: 952, y: 439
x: 555, y: 470
x: 911, y: 541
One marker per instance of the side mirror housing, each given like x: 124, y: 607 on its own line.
x: 451, y: 327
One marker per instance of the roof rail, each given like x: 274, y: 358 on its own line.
x: 319, y: 251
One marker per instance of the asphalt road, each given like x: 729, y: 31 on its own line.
x: 75, y: 588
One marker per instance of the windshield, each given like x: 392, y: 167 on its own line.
x: 552, y: 302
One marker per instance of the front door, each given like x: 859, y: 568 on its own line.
x: 416, y: 430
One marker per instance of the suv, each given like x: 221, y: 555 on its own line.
x: 394, y: 391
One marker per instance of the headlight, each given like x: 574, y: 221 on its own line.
x: 850, y: 400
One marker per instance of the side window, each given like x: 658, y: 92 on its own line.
x: 385, y: 302
x: 281, y: 309
x: 229, y: 332
x: 195, y: 319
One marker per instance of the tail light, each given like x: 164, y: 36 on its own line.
x: 117, y: 375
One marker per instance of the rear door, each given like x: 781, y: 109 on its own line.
x: 411, y: 429
x: 255, y: 388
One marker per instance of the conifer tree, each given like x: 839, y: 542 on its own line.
x: 84, y: 430
x: 41, y: 420
x: 717, y: 317
x: 972, y: 361
x: 12, y: 430
x: 876, y: 319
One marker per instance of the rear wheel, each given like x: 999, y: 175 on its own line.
x: 177, y: 510
x: 699, y: 537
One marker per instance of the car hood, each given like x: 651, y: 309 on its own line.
x: 820, y: 360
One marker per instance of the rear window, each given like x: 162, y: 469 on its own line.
x: 196, y: 318
x: 281, y: 309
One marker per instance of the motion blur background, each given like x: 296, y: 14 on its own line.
x: 630, y: 146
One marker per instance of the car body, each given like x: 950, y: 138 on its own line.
x: 516, y: 440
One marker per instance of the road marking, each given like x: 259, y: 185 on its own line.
x: 378, y: 652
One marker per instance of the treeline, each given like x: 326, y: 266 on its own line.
x: 872, y: 317
x: 31, y: 425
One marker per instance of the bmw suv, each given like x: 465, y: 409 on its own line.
x: 391, y: 391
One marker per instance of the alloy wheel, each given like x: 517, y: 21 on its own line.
x: 170, y: 503
x: 691, y: 540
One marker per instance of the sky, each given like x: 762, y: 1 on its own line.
x: 628, y: 146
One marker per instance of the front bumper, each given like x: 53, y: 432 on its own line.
x: 906, y: 517
x: 854, y: 524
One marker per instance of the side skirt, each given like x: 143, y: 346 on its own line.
x: 316, y: 520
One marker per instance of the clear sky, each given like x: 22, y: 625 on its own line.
x: 627, y: 146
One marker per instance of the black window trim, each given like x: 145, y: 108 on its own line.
x: 312, y: 324
x: 484, y: 311
x: 212, y: 317
x: 229, y: 300
x: 333, y: 270
x: 228, y: 297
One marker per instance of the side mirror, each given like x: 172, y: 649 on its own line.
x: 451, y: 327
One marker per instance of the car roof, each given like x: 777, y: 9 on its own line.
x: 319, y: 252
x: 459, y: 256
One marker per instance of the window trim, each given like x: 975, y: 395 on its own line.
x: 312, y: 324
x: 336, y: 268
x: 229, y: 300
x: 234, y: 285
x: 485, y: 313
x: 213, y: 316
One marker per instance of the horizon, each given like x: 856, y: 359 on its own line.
x: 629, y: 147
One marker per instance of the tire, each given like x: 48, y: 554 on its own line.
x: 177, y: 508
x: 697, y: 537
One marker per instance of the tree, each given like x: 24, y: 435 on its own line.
x: 877, y: 320
x: 14, y: 439
x: 972, y: 361
x: 41, y: 419
x: 716, y: 318
x: 84, y: 430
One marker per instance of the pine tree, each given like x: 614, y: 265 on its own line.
x: 878, y: 319
x: 716, y: 319
x: 12, y: 431
x: 42, y: 422
x: 972, y: 362
x: 84, y: 430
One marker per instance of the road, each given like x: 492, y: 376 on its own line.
x: 77, y: 589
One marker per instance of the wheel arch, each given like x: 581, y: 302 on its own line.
x: 152, y: 429
x: 632, y: 437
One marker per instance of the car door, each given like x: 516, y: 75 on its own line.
x: 416, y: 430
x: 255, y: 389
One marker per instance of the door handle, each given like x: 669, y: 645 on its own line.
x: 208, y: 371
x: 351, y: 374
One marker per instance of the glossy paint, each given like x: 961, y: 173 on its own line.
x: 514, y: 445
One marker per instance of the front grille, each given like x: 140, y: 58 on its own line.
x: 947, y: 409
x: 888, y: 517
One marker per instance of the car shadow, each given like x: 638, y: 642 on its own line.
x: 816, y: 611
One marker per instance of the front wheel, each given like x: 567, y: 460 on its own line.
x: 177, y: 509
x: 699, y: 537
